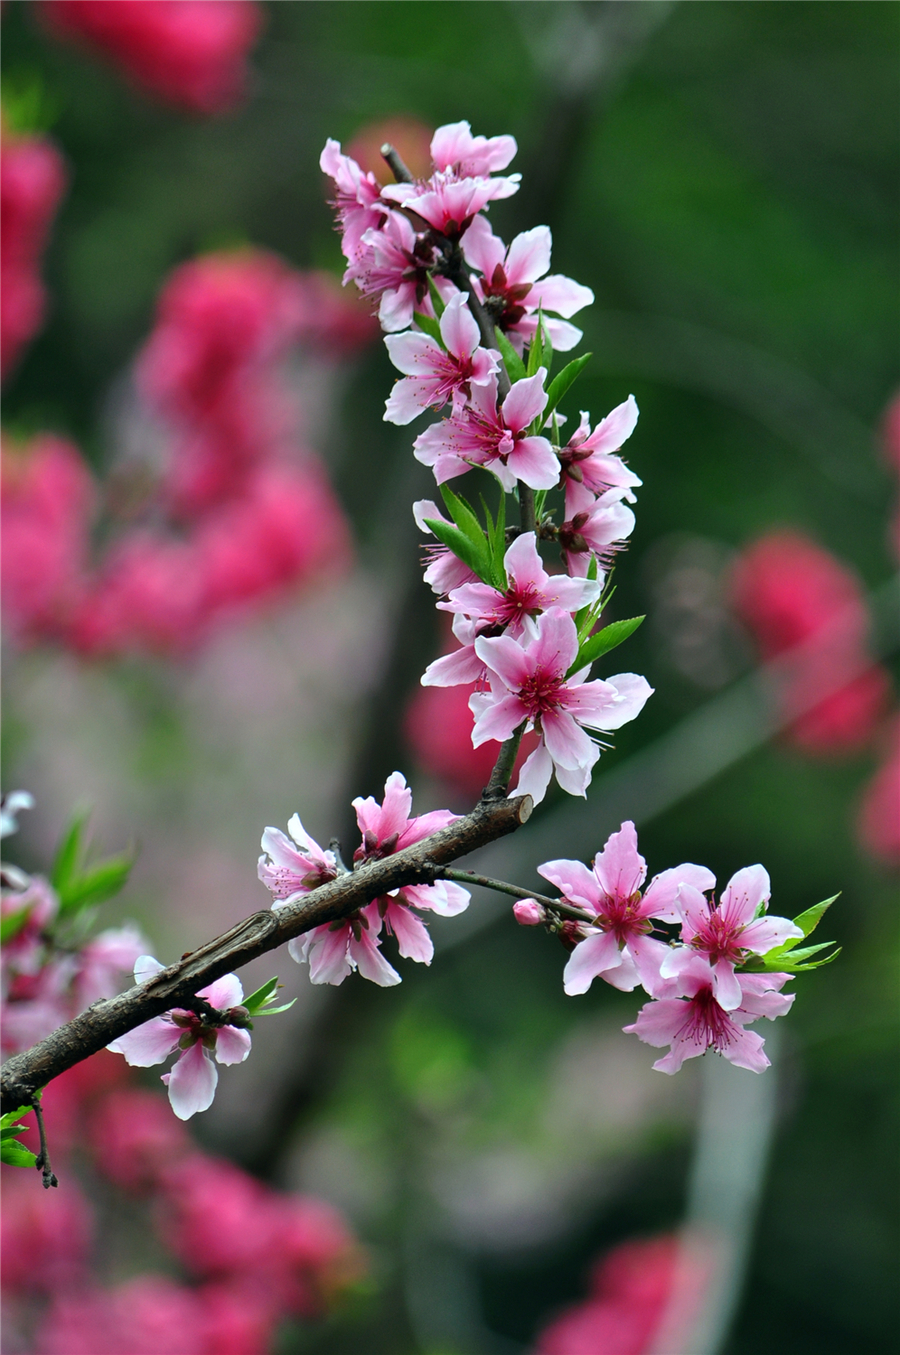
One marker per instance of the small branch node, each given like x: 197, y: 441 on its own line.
x: 399, y: 170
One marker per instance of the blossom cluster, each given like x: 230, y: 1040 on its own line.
x: 472, y: 326
x: 227, y: 508
x: 50, y: 968
x: 240, y: 1257
x: 711, y: 967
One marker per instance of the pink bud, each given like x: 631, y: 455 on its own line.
x: 528, y: 913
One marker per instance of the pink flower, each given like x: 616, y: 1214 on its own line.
x: 462, y: 666
x: 695, y: 1022
x: 454, y: 148
x: 878, y: 822
x: 445, y: 570
x: 192, y: 1081
x: 789, y: 592
x: 433, y: 375
x: 26, y: 951
x: 103, y: 960
x: 449, y: 204
x: 392, y: 264
x: 619, y: 947
x: 136, y: 1139
x: 358, y: 203
x: 191, y: 53
x: 529, y: 683
x: 510, y: 287
x: 483, y: 435
x: 287, y: 868
x: 597, y: 532
x: 589, y: 462
x: 47, y: 505
x: 528, y: 913
x: 530, y: 591
x: 32, y: 182
x: 727, y: 933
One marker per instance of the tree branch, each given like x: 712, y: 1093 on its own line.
x: 176, y: 986
x: 469, y: 877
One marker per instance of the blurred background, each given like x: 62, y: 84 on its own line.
x: 724, y: 176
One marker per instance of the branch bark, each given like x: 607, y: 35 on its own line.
x: 23, y: 1074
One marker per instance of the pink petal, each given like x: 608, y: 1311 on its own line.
x: 494, y: 719
x: 615, y: 429
x: 444, y: 897
x: 535, y: 774
x: 528, y: 257
x: 533, y: 461
x: 620, y: 869
x: 424, y: 825
x: 371, y: 963
x: 224, y: 993
x: 648, y: 955
x: 412, y: 353
x: 232, y: 1044
x: 505, y: 657
x: 396, y: 309
x: 590, y: 958
x: 575, y: 780
x: 632, y: 693
x: 409, y: 397
x: 743, y: 894
x: 726, y: 987
x: 557, y: 643
x: 145, y: 966
x: 306, y: 843
x: 454, y: 670
x: 412, y: 935
x: 147, y: 1044
x: 662, y: 892
x: 328, y: 959
x: 658, y: 1023
x: 482, y: 248
x: 525, y: 402
x: 192, y: 1082
x: 767, y: 933
x: 745, y: 1050
x: 574, y: 881
x: 458, y: 328
x: 566, y: 741
x: 523, y: 564
x: 562, y: 295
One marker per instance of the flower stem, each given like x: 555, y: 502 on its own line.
x: 465, y: 877
x: 497, y: 787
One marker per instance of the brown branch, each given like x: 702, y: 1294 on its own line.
x: 176, y: 986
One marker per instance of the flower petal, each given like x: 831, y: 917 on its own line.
x: 590, y: 958
x: 192, y: 1082
x: 147, y: 1044
x: 232, y: 1044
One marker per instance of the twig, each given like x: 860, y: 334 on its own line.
x: 399, y: 170
x: 498, y: 785
x: 42, y: 1161
x: 177, y: 985
x: 555, y: 905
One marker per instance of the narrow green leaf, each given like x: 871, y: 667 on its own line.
x: 68, y: 853
x: 535, y: 349
x: 13, y: 923
x: 263, y: 994
x: 15, y: 1154
x: 464, y: 515
x: 809, y: 921
x: 595, y: 646
x: 514, y: 365
x: 479, y: 561
x: 563, y: 380
x: 273, y: 1011
x: 497, y: 542
x: 430, y: 326
x: 96, y: 885
x: 436, y: 299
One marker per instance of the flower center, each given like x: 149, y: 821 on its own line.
x: 542, y: 692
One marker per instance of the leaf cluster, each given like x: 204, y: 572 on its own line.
x: 258, y: 1003
x: 787, y: 959
x: 13, y: 1153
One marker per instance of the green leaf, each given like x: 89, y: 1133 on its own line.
x: 514, y: 365
x: 12, y: 1116
x: 563, y: 380
x: 783, y: 960
x: 273, y: 1011
x: 497, y: 541
x: 96, y: 885
x: 13, y: 923
x: 436, y: 299
x: 595, y: 646
x: 479, y: 561
x: 15, y: 1154
x: 68, y: 853
x: 429, y: 326
x: 262, y: 995
x: 464, y: 515
x: 809, y: 921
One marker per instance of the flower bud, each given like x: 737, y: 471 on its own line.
x: 528, y: 913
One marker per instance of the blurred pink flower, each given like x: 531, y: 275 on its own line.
x: 150, y: 1315
x: 878, y: 821
x: 136, y: 1139
x: 32, y: 182
x: 788, y: 591
x: 104, y: 960
x: 191, y: 53
x: 630, y: 1289
x: 47, y: 503
x: 45, y: 1236
x: 192, y: 1081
